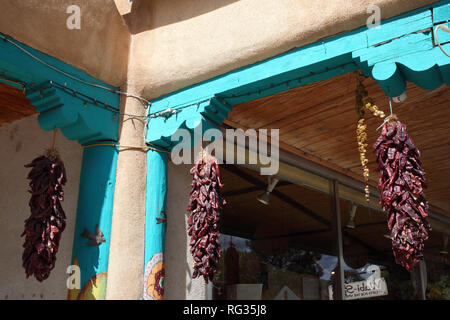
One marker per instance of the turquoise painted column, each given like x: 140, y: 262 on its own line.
x: 155, y: 225
x: 95, y: 204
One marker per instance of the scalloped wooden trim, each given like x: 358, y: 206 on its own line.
x: 401, y: 50
x: 57, y: 108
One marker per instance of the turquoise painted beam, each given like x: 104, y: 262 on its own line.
x: 442, y: 36
x: 441, y: 15
x: 401, y: 50
x: 95, y: 204
x: 193, y: 118
x: 155, y: 225
x: 398, y: 27
x: 87, y: 113
x: 78, y: 118
x: 75, y: 107
x: 428, y: 70
x: 441, y: 12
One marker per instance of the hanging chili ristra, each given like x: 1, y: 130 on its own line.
x: 47, y: 220
x: 401, y: 184
x: 205, y: 205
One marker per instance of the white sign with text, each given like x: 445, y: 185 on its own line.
x: 365, y: 289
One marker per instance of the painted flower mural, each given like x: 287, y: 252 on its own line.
x: 154, y: 278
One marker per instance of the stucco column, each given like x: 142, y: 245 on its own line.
x: 126, y: 255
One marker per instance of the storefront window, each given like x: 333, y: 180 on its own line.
x: 437, y: 264
x: 282, y: 250
x: 371, y: 271
x: 248, y: 271
x: 287, y: 249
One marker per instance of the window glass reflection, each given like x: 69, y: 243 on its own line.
x: 248, y: 270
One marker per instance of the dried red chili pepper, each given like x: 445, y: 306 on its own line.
x: 401, y: 184
x: 205, y: 205
x: 47, y: 220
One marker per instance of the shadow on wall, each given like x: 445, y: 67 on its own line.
x: 22, y: 141
x: 176, y: 283
x: 141, y: 17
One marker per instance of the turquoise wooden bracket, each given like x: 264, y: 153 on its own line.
x: 90, y: 115
x: 190, y: 117
x: 402, y: 49
x: 83, y: 112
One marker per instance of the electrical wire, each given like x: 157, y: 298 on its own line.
x: 177, y: 108
x: 73, y: 77
x: 410, y: 101
x: 82, y: 96
x: 147, y: 102
x: 442, y: 86
x: 259, y: 92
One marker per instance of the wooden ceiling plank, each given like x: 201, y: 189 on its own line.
x: 278, y: 194
x: 330, y: 105
x: 13, y: 104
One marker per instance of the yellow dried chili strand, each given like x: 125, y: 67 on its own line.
x: 364, y: 104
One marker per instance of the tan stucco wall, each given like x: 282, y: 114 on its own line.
x: 21, y: 142
x: 100, y: 47
x: 182, y: 42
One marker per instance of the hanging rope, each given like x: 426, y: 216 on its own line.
x: 51, y: 152
x: 54, y: 139
x: 444, y: 28
x: 146, y: 148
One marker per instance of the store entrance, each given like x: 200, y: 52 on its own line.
x: 289, y: 248
x: 275, y: 246
x: 281, y: 245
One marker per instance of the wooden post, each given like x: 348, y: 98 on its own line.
x: 339, y: 294
x: 95, y: 203
x: 155, y: 225
x: 421, y: 272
